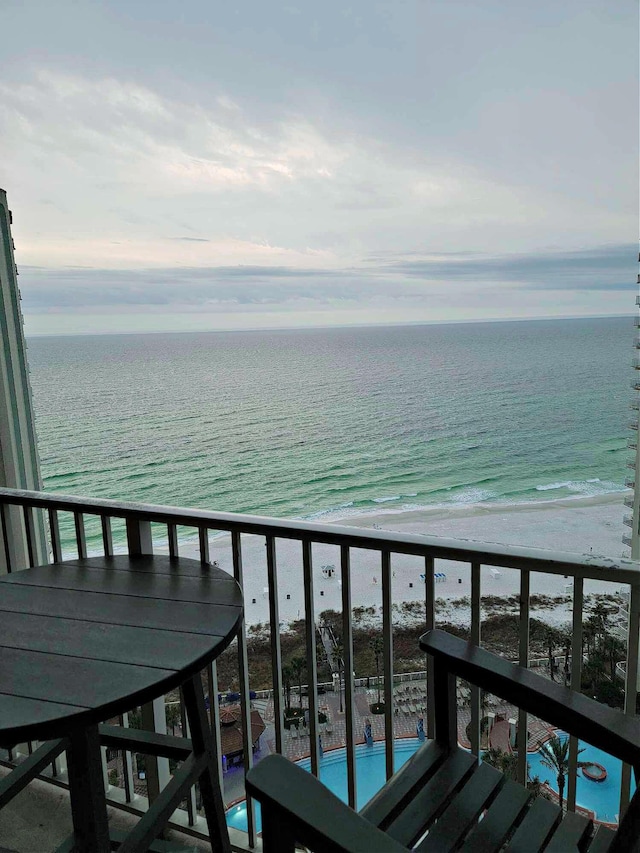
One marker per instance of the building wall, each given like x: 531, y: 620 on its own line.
x: 19, y: 462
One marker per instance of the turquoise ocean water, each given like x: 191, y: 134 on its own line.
x: 326, y: 423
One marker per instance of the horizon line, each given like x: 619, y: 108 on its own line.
x: 412, y: 323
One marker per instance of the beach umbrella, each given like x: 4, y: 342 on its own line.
x: 229, y: 716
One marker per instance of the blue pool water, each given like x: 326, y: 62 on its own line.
x: 601, y: 797
x: 370, y: 775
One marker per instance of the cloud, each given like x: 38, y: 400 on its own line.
x: 190, y: 239
x: 114, y: 173
x: 144, y: 137
x: 391, y: 281
x: 600, y: 268
x: 78, y: 289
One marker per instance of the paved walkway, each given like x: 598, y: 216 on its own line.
x: 409, y: 705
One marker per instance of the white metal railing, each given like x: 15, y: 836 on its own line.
x: 139, y: 518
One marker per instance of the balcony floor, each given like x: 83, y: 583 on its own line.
x: 38, y: 820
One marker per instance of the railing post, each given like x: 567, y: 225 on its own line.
x: 81, y: 536
x: 203, y: 544
x: 192, y: 809
x: 30, y: 531
x: 54, y: 533
x: 13, y: 555
x: 475, y: 639
x: 172, y: 539
x: 430, y: 624
x: 312, y: 671
x: 127, y: 765
x: 245, y: 693
x: 387, y: 660
x: 107, y: 536
x: 631, y: 682
x: 139, y: 537
x: 446, y: 711
x: 214, y: 716
x: 523, y: 659
x: 274, y: 639
x: 154, y: 718
x: 576, y: 684
x: 347, y: 643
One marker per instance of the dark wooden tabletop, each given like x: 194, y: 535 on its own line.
x: 86, y: 639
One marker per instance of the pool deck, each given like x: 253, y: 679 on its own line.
x: 409, y: 703
x: 409, y: 706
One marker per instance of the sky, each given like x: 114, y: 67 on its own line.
x: 254, y: 165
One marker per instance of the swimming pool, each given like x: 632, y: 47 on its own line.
x: 603, y: 798
x: 370, y: 775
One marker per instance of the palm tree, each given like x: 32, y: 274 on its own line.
x: 287, y: 678
x: 377, y: 647
x: 298, y: 666
x: 614, y: 650
x: 555, y: 756
x: 173, y: 715
x: 566, y: 640
x: 588, y: 635
x: 600, y: 617
x: 505, y: 762
x: 551, y: 642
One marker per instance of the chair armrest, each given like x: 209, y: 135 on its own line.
x: 606, y: 728
x: 315, y: 816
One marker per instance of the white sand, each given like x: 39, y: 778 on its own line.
x: 581, y: 525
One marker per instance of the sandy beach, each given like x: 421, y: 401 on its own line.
x: 590, y: 525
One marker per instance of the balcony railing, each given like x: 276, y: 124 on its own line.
x: 19, y: 511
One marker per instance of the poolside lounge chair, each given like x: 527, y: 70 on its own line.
x: 435, y: 802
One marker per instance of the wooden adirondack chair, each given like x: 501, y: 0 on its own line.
x: 435, y: 802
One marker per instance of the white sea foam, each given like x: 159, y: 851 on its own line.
x: 549, y: 486
x: 592, y: 486
x: 385, y: 500
x: 473, y: 495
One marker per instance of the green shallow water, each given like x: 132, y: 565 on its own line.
x: 325, y: 423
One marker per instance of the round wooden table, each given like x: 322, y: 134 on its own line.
x: 85, y: 640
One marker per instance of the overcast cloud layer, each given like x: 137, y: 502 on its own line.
x: 256, y: 165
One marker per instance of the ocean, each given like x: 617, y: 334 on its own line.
x: 335, y: 422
